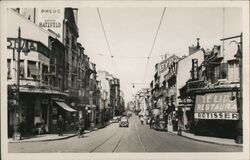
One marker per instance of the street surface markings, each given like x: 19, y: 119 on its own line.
x: 119, y: 143
x: 104, y: 141
x: 144, y: 150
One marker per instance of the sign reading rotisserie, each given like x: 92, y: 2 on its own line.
x: 216, y: 106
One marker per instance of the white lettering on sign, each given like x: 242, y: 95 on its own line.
x: 215, y: 102
x: 164, y: 65
x: 216, y: 115
x: 216, y: 106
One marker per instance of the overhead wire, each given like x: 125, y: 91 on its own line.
x: 103, y: 29
x: 129, y: 57
x: 152, y: 47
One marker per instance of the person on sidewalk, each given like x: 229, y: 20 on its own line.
x: 151, y: 122
x: 60, y: 125
x: 80, y: 127
x: 142, y: 120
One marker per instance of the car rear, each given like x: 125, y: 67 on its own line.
x: 124, y: 122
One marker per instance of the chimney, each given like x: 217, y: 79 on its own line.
x: 198, y: 44
x: 75, y: 11
x: 193, y: 49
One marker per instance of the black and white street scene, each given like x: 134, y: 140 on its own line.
x: 125, y: 79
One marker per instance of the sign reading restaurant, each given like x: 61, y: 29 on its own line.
x: 216, y: 106
x: 51, y: 19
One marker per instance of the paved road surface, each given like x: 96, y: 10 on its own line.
x: 136, y: 138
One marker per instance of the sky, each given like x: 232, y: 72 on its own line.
x: 131, y: 31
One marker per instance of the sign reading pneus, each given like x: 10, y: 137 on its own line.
x: 51, y: 19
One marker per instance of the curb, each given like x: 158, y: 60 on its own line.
x: 206, y: 141
x: 44, y: 139
x: 200, y: 140
x: 59, y: 138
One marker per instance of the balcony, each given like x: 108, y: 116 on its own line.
x: 195, y: 85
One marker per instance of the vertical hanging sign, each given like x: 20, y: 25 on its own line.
x: 51, y: 19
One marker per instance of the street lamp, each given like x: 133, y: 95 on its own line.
x: 238, y: 56
x: 17, y: 111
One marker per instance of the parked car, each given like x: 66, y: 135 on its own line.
x: 115, y: 120
x: 119, y: 118
x: 124, y: 122
x: 161, y: 125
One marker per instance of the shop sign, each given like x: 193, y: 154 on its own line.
x: 195, y: 85
x: 216, y: 106
x: 54, y: 110
x: 45, y: 101
x: 51, y: 19
x: 223, y: 115
x: 164, y: 65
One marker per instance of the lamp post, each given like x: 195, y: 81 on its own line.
x: 238, y: 56
x: 17, y: 111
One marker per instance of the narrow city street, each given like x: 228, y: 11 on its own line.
x: 135, y: 138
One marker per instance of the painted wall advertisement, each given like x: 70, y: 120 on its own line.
x: 216, y: 106
x: 51, y: 19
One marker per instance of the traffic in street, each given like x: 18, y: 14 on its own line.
x: 113, y: 138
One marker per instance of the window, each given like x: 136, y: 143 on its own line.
x: 60, y: 84
x: 67, y: 36
x: 9, y: 68
x: 73, y: 82
x: 32, y: 69
x: 73, y: 43
x: 45, y: 70
x: 21, y: 73
x: 66, y: 81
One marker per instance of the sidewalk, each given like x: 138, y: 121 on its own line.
x: 43, y: 137
x: 53, y: 137
x: 214, y: 140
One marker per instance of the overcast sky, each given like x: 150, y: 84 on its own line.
x: 131, y: 31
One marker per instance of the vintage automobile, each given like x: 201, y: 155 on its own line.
x: 161, y: 125
x: 115, y: 120
x: 124, y: 122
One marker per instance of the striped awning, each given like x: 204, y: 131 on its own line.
x: 65, y: 106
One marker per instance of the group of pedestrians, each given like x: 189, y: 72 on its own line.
x: 80, y: 126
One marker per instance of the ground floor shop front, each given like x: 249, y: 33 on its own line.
x: 214, y: 113
x: 38, y: 113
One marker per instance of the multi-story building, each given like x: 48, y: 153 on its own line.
x: 184, y: 73
x: 62, y: 66
x: 38, y: 78
x: 163, y: 86
x: 105, y: 109
x: 214, y: 89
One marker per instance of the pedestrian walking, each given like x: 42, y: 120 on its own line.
x: 80, y: 127
x: 142, y: 120
x: 60, y: 125
x: 151, y: 122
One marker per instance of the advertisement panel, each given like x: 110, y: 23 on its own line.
x: 216, y: 106
x: 164, y: 65
x: 51, y: 19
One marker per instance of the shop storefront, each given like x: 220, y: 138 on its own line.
x: 216, y: 114
x: 59, y: 107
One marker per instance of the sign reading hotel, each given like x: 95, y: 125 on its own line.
x: 51, y: 19
x: 216, y: 106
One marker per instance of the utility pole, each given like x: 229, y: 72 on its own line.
x: 17, y: 113
x: 238, y: 56
x: 17, y: 109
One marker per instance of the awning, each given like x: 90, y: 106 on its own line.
x: 33, y: 69
x: 65, y: 106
